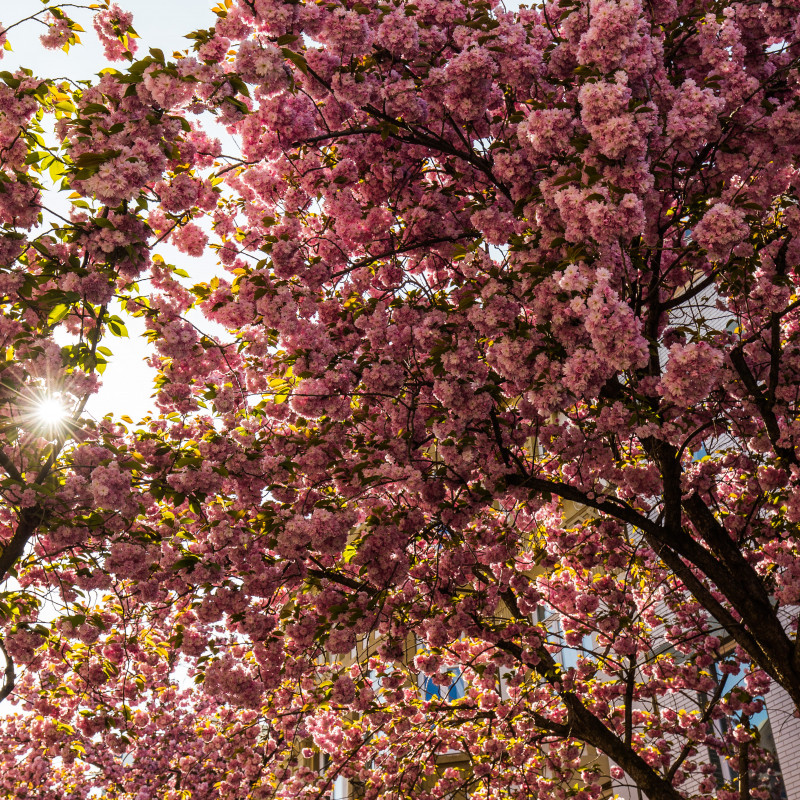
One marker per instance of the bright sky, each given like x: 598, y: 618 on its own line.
x: 159, y: 23
x: 127, y: 382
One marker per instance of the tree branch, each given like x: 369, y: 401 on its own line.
x: 9, y: 676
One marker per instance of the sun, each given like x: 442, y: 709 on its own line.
x: 51, y: 411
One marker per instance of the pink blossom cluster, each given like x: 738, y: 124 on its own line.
x: 113, y: 27
x: 58, y: 32
x: 720, y: 230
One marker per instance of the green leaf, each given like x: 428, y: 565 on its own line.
x: 57, y: 313
x: 237, y: 83
x: 296, y: 58
x: 349, y: 552
x: 57, y: 169
x: 94, y: 108
x: 95, y: 159
x: 188, y: 562
x: 116, y: 326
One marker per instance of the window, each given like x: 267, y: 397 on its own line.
x: 454, y: 690
x: 551, y: 620
x: 760, y: 722
x: 340, y: 789
x: 448, y: 685
x: 700, y: 454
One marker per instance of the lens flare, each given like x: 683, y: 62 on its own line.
x: 51, y: 411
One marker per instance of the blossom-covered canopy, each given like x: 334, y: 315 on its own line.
x: 508, y: 395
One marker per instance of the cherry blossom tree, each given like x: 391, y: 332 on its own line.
x: 491, y: 488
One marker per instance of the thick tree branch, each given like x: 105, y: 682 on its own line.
x: 9, y: 676
x: 786, y: 455
x: 29, y: 521
x: 744, y: 771
x: 728, y: 569
x: 630, y: 685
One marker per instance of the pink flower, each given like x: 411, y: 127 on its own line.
x: 693, y: 116
x: 399, y: 34
x: 548, y: 130
x: 179, y: 194
x: 468, y: 84
x: 115, y: 30
x: 58, y: 32
x: 261, y: 64
x: 691, y: 372
x: 215, y: 49
x: 190, y: 239
x: 110, y: 486
x: 616, y: 31
x: 344, y: 691
x: 720, y: 230
x: 614, y: 127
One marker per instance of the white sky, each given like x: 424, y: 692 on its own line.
x: 159, y: 23
x: 127, y: 381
